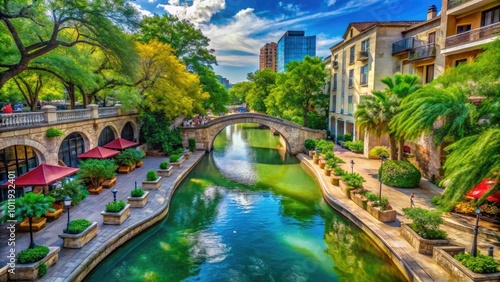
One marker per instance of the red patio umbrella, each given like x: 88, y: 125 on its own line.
x: 43, y: 175
x: 98, y: 153
x: 120, y: 144
x: 483, y: 187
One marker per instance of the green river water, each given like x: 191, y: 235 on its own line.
x: 248, y: 212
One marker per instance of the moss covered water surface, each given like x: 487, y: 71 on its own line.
x: 248, y: 212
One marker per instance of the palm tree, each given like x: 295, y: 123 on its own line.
x: 28, y: 206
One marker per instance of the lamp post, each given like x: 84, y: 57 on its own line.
x: 383, y: 158
x: 135, y: 185
x: 114, y: 194
x: 352, y: 166
x: 473, y: 249
x: 67, y: 204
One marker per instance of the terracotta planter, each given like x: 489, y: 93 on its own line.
x: 423, y: 246
x: 124, y: 169
x: 359, y: 200
x: 178, y: 164
x: 94, y: 190
x: 37, y: 224
x: 165, y: 172
x: 311, y: 153
x: 29, y: 271
x: 116, y: 218
x: 322, y: 164
x: 334, y: 179
x: 52, y: 215
x: 383, y: 216
x: 108, y: 183
x: 152, y: 185
x: 328, y: 171
x: 444, y: 257
x: 138, y: 202
x: 315, y: 159
x: 138, y: 164
x: 77, y: 241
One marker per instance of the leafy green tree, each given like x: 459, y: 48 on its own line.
x: 157, y: 133
x: 264, y: 81
x: 30, y: 205
x: 219, y: 96
x: 239, y: 91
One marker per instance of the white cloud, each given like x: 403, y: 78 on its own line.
x: 142, y: 12
x: 331, y: 2
x: 151, y: 1
x: 324, y: 42
x: 200, y: 12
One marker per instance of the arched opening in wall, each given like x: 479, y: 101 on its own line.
x: 18, y: 159
x: 128, y: 132
x: 107, y: 135
x: 72, y: 146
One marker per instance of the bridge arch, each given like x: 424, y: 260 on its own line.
x: 40, y: 150
x: 293, y: 134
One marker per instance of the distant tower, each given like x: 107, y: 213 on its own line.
x: 268, y: 56
x: 294, y: 46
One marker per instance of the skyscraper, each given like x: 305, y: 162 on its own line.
x: 294, y: 46
x: 268, y: 56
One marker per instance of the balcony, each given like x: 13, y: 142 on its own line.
x: 406, y: 45
x: 364, y: 79
x: 335, y: 64
x: 455, y: 3
x: 363, y: 55
x: 460, y: 7
x: 473, y: 37
x: 422, y: 52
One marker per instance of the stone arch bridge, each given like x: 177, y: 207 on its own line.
x: 293, y: 134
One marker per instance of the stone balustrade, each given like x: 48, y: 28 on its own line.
x: 21, y: 119
x: 108, y: 111
x: 70, y: 115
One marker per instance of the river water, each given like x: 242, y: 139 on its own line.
x: 248, y: 212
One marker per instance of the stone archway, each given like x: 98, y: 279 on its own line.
x: 40, y: 150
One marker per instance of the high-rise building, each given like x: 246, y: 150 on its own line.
x: 294, y: 46
x: 268, y: 56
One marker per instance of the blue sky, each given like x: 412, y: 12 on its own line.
x: 239, y: 28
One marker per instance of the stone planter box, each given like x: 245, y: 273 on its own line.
x: 334, y: 179
x: 359, y: 200
x: 178, y: 164
x: 423, y: 246
x: 165, y: 172
x: 77, y: 241
x: 108, y: 183
x: 383, y: 216
x: 138, y: 164
x: 345, y: 188
x: 152, y: 185
x: 37, y: 224
x: 29, y: 271
x: 188, y: 155
x: 124, y: 169
x: 322, y: 164
x: 116, y: 218
x: 138, y: 202
x: 443, y: 256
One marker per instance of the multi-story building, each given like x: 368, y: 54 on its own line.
x: 224, y: 81
x: 359, y: 62
x: 294, y: 46
x: 268, y: 56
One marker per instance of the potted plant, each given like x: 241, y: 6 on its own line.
x: 33, y: 263
x: 74, y: 189
x: 136, y: 155
x: 53, y: 132
x: 93, y: 172
x: 79, y: 233
x: 423, y: 233
x: 115, y: 213
x: 331, y: 162
x: 176, y: 161
x: 165, y: 169
x: 310, y: 145
x: 126, y: 161
x: 381, y: 209
x: 153, y: 181
x: 138, y: 198
x: 110, y: 174
x: 336, y: 174
x: 350, y: 181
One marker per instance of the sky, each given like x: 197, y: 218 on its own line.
x: 239, y: 28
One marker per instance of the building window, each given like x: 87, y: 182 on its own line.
x: 334, y: 104
x: 18, y: 159
x: 365, y: 45
x: 459, y: 62
x: 351, y: 55
x: 71, y: 147
x: 491, y: 16
x: 463, y: 28
x: 364, y: 75
x: 350, y: 105
x: 334, y: 81
x: 351, y: 78
x: 128, y: 132
x: 431, y: 38
x: 106, y: 136
x: 351, y: 33
x: 429, y: 73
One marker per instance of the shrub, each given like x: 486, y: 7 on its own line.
x: 348, y: 137
x: 126, y: 158
x: 340, y: 137
x: 115, y: 206
x: 425, y: 222
x: 77, y: 226
x: 174, y: 158
x: 32, y: 255
x: 370, y: 196
x: 383, y: 204
x: 328, y: 155
x: 478, y: 264
x: 96, y: 171
x: 333, y: 162
x: 353, y: 180
x: 192, y: 144
x: 42, y: 269
x: 400, y: 174
x: 324, y: 146
x: 379, y: 151
x: 74, y: 189
x: 164, y: 165
x: 53, y: 132
x: 134, y: 155
x: 178, y: 151
x: 137, y: 192
x: 310, y: 144
x: 355, y: 146
x: 338, y: 171
x: 151, y: 176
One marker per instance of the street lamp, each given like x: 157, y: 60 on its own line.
x: 114, y: 194
x: 135, y: 185
x: 67, y: 204
x: 383, y: 158
x: 352, y: 166
x: 473, y: 249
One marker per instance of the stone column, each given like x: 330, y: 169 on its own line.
x: 94, y: 112
x: 49, y: 114
x: 118, y: 109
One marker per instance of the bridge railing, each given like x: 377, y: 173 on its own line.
x: 70, y: 115
x: 21, y: 119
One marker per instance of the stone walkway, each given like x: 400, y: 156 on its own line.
x: 73, y: 264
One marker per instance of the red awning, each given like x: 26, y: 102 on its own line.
x: 98, y: 153
x: 120, y: 144
x: 482, y: 188
x: 42, y: 175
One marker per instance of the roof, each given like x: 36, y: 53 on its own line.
x: 99, y: 153
x: 43, y: 175
x: 423, y: 23
x: 120, y: 144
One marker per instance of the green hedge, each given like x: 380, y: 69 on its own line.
x: 115, y: 206
x: 174, y: 158
x: 379, y: 151
x: 310, y: 144
x: 400, y: 174
x: 137, y: 192
x: 478, y: 264
x: 77, y: 226
x: 425, y: 222
x: 355, y: 146
x: 192, y: 144
x: 151, y: 176
x: 353, y: 179
x: 32, y: 255
x: 164, y: 165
